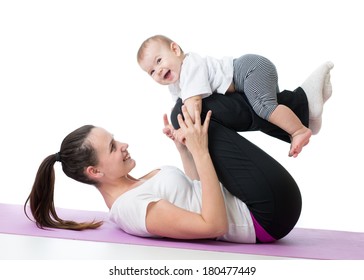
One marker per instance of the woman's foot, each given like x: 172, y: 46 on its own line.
x: 327, y: 90
x: 318, y: 90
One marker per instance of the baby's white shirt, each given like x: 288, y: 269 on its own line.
x: 202, y: 76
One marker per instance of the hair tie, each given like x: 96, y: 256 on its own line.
x: 58, y: 157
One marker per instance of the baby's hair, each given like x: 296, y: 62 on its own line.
x: 156, y: 38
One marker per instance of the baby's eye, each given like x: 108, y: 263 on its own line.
x: 152, y: 72
x: 159, y: 60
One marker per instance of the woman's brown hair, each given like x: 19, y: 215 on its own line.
x: 75, y: 155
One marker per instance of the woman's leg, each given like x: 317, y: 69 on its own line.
x: 256, y: 178
x: 234, y: 111
x: 248, y: 172
x: 230, y: 110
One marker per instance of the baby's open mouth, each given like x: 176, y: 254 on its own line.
x: 167, y: 75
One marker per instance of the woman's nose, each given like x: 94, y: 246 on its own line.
x: 123, y: 146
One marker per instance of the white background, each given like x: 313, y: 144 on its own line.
x: 68, y: 63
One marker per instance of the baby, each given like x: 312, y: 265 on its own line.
x: 192, y: 77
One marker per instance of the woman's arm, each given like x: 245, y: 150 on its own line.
x: 165, y: 219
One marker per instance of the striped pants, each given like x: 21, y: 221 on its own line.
x: 257, y: 77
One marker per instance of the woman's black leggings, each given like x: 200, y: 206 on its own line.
x: 249, y: 173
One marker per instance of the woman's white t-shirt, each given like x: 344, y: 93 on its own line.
x: 171, y: 184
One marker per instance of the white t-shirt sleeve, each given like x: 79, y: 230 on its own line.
x: 194, y: 77
x: 129, y: 213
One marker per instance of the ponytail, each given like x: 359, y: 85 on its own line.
x: 41, y: 199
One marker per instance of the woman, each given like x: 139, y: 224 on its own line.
x: 169, y: 203
x: 259, y: 200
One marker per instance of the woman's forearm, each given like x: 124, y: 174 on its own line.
x: 213, y: 205
x: 188, y: 163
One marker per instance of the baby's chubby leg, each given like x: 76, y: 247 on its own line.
x: 286, y: 119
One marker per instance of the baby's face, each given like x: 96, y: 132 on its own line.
x: 162, y: 62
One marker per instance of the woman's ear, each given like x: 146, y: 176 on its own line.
x: 175, y: 48
x: 94, y: 172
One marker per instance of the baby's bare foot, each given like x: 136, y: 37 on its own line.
x: 299, y: 140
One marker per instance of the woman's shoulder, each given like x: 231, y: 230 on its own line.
x: 150, y: 179
x: 158, y: 170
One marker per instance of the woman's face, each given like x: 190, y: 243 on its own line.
x: 162, y: 62
x: 114, y: 159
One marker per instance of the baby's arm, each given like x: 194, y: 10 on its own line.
x: 191, y: 102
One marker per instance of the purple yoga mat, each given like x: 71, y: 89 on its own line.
x: 300, y: 243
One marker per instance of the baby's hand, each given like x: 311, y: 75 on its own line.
x: 191, y: 104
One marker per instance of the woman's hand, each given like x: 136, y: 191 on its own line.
x: 170, y: 132
x: 186, y: 157
x: 193, y: 134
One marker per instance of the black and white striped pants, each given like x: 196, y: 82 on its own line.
x: 257, y: 77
